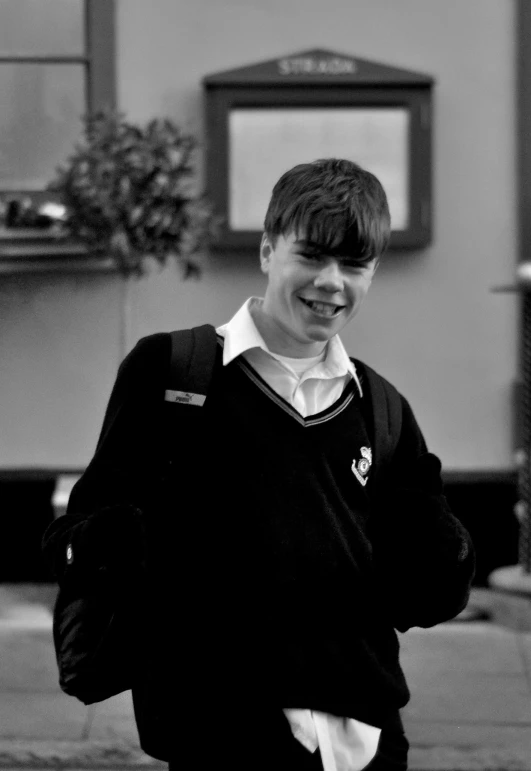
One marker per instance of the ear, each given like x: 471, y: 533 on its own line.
x: 265, y: 253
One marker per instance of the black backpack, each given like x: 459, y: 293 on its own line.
x: 93, y: 627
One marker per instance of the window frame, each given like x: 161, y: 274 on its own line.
x: 99, y: 60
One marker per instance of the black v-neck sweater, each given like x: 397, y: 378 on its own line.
x: 297, y: 534
x: 274, y: 578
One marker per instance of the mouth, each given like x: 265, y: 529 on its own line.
x: 326, y: 310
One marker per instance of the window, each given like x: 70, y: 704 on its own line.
x: 56, y: 64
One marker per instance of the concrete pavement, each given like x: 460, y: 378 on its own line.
x: 471, y: 697
x: 39, y: 725
x: 470, y: 683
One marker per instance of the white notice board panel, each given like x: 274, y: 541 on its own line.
x: 266, y: 142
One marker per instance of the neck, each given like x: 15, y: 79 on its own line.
x: 278, y: 340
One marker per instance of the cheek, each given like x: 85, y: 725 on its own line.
x: 362, y: 288
x: 357, y: 296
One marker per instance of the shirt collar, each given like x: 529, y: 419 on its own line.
x: 240, y: 334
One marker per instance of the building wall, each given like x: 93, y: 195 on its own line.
x: 431, y: 323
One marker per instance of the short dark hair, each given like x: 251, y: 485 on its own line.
x: 334, y: 203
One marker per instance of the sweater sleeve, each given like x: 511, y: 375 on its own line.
x: 423, y: 556
x: 103, y: 524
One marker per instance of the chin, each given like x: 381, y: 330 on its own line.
x: 321, y: 337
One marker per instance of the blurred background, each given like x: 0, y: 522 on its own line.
x: 432, y: 324
x: 445, y: 321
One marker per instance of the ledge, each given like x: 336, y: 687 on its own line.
x: 32, y: 251
x: 36, y: 473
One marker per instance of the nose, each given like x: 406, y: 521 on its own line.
x: 330, y: 278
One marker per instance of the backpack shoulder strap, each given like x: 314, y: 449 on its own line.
x: 386, y: 414
x: 193, y: 355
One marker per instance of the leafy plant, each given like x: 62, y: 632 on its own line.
x: 131, y: 191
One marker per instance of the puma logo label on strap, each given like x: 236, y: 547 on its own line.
x: 184, y: 397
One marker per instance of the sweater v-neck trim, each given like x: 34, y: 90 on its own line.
x: 310, y: 420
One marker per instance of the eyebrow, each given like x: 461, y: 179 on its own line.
x: 303, y: 243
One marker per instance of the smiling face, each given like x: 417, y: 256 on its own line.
x: 310, y: 295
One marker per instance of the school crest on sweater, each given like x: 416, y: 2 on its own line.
x: 361, y: 468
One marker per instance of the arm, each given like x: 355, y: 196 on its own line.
x: 424, y: 558
x: 104, y: 524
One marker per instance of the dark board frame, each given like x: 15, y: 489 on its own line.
x: 274, y: 84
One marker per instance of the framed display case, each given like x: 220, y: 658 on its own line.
x: 263, y: 119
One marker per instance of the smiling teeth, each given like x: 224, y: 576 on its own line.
x: 323, y: 308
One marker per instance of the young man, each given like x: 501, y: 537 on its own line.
x: 275, y: 560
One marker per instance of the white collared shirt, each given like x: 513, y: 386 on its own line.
x: 310, y: 386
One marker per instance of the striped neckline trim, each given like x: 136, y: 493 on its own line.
x: 311, y: 420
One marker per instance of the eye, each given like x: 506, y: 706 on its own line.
x: 353, y: 266
x: 313, y: 256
